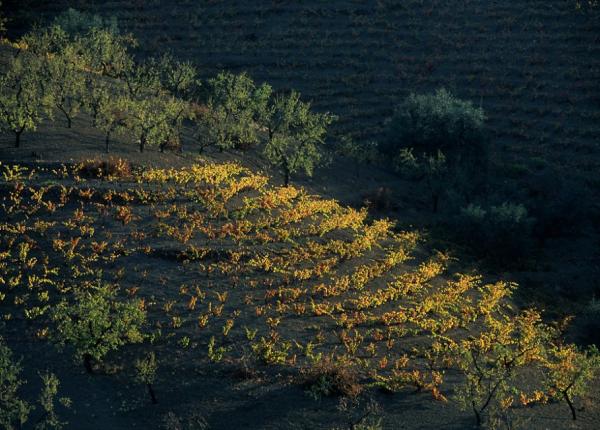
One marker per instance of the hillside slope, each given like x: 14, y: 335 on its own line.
x: 261, y: 303
x: 534, y: 66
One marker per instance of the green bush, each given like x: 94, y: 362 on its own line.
x: 146, y: 373
x: 436, y: 122
x: 500, y: 233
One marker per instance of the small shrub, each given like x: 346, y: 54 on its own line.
x: 146, y: 373
x: 367, y: 417
x: 193, y: 421
x: 215, y: 353
x: 436, y: 122
x: 109, y: 168
x: 587, y: 6
x: 173, y: 144
x: 331, y: 376
x: 48, y: 402
x: 270, y: 351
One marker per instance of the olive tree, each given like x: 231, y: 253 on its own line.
x: 106, y: 106
x: 295, y: 134
x: 97, y: 322
x: 155, y: 76
x: 111, y: 118
x: 143, y: 79
x: 153, y: 120
x: 439, y: 140
x: 570, y: 372
x: 22, y: 99
x: 98, y: 94
x: 180, y: 78
x: 65, y: 81
x: 230, y: 118
x: 106, y: 52
x: 61, y: 69
x: 45, y: 41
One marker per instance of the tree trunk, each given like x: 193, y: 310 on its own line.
x: 87, y: 362
x: 436, y: 202
x: 106, y: 142
x: 477, y: 414
x: 142, y: 144
x: 18, y: 138
x: 67, y: 116
x: 568, y: 400
x: 286, y: 176
x: 152, y: 395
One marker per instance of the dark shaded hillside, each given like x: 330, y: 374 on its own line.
x: 533, y: 65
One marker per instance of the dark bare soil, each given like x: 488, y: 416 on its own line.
x: 534, y: 66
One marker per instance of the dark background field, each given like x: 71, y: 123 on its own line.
x: 534, y: 66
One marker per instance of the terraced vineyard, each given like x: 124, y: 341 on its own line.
x: 226, y: 269
x: 533, y: 65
